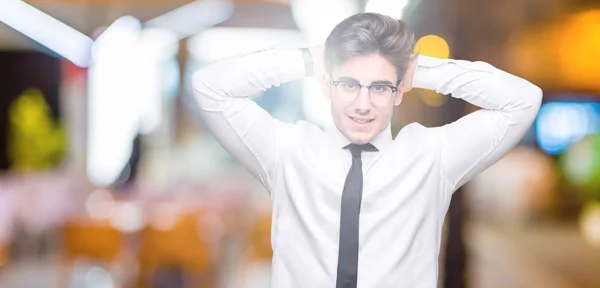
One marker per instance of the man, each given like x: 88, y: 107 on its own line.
x: 353, y: 207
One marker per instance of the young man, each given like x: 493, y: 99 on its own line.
x: 353, y: 207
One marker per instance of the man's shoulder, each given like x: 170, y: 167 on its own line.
x: 419, y: 134
x: 304, y: 131
x: 307, y: 127
x: 418, y: 128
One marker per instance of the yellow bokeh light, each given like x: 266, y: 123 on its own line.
x: 434, y: 46
x: 577, y: 44
x: 432, y: 98
x: 36, y: 141
x: 561, y: 54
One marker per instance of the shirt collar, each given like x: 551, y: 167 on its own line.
x: 381, y: 141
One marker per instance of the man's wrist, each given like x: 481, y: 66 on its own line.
x: 425, y: 76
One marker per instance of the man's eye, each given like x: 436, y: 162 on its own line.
x: 380, y: 88
x: 349, y: 86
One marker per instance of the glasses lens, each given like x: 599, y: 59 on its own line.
x: 380, y: 94
x: 347, y: 91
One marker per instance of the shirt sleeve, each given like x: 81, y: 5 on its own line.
x: 222, y: 92
x: 476, y: 141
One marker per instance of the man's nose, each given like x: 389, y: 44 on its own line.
x: 363, y: 102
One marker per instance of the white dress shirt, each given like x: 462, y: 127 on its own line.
x: 407, y: 184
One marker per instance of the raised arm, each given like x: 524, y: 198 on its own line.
x: 223, y: 90
x: 478, y: 140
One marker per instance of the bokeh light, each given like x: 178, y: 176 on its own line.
x: 590, y: 223
x: 432, y: 98
x: 100, y: 205
x: 559, y: 124
x: 577, y: 44
x: 433, y: 45
x: 581, y: 166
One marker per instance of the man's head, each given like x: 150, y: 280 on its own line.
x: 371, y: 50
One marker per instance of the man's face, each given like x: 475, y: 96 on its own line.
x: 362, y: 113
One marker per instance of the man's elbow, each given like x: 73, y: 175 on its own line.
x: 200, y: 79
x: 533, y: 96
x: 203, y: 92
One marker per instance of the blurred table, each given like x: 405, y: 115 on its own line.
x: 545, y: 255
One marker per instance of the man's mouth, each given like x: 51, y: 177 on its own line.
x: 361, y: 121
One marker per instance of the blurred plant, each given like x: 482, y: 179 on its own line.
x: 580, y: 164
x: 35, y: 140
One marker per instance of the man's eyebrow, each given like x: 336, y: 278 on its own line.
x: 377, y: 82
x: 349, y: 79
x: 382, y: 82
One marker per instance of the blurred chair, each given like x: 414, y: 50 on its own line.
x: 96, y: 241
x: 179, y: 247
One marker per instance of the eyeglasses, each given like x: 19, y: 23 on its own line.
x: 348, y: 91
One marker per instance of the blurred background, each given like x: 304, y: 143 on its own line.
x: 108, y: 179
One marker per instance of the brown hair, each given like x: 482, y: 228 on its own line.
x: 370, y: 33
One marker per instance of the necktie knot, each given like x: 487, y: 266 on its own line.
x: 356, y: 149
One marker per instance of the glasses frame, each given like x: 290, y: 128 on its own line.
x: 337, y: 82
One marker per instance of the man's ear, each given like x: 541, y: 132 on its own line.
x: 399, y: 93
x: 398, y: 98
x: 325, y: 86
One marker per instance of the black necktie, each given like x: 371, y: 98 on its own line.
x: 347, y: 269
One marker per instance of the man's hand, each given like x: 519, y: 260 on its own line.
x: 318, y: 55
x: 407, y: 80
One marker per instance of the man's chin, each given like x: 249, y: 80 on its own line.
x: 360, y: 139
